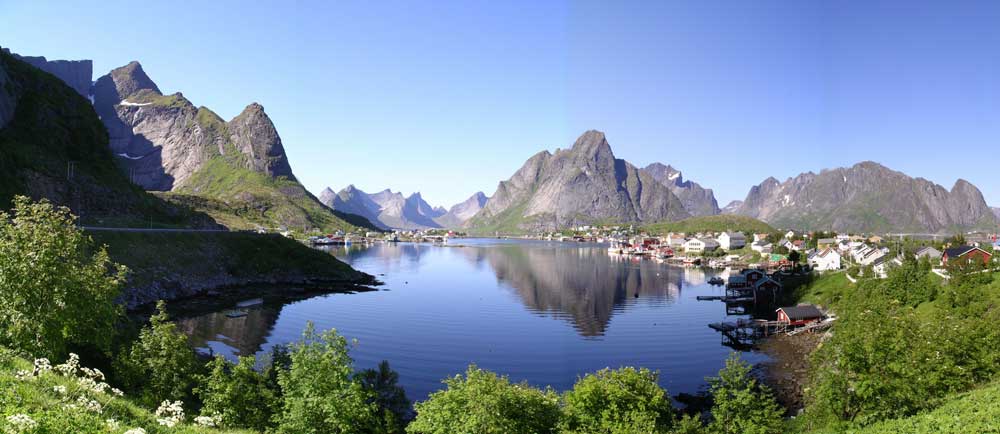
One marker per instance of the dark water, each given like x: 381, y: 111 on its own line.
x: 536, y: 311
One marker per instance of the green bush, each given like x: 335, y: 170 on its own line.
x: 57, y: 290
x: 237, y: 394
x: 483, y: 402
x: 741, y: 404
x: 389, y: 398
x: 161, y: 365
x: 625, y: 400
x: 320, y: 392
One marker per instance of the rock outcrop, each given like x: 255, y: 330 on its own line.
x: 77, y: 74
x: 697, y: 200
x: 585, y: 184
x: 867, y: 197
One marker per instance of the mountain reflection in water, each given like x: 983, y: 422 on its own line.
x: 538, y: 311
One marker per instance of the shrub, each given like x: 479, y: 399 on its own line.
x: 237, y: 394
x: 482, y: 402
x: 741, y: 405
x: 320, y: 393
x: 389, y: 398
x: 57, y: 290
x: 626, y: 400
x: 161, y: 365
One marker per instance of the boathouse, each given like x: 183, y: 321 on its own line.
x: 799, y: 315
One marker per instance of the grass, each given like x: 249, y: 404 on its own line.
x: 977, y: 411
x: 241, y: 198
x: 715, y: 223
x: 38, y: 398
x: 162, y: 256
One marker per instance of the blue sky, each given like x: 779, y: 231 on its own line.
x: 448, y: 98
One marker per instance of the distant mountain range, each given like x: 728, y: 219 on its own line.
x: 585, y: 184
x: 389, y: 210
x: 866, y: 197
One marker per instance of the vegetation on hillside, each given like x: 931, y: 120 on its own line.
x: 714, y: 223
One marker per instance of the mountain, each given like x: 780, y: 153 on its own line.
x: 732, y: 207
x: 385, y: 209
x: 996, y: 212
x: 698, y: 201
x: 585, y: 184
x: 867, y: 197
x: 53, y: 145
x: 460, y: 213
x: 236, y: 171
x: 75, y: 73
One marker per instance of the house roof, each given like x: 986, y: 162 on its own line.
x: 955, y: 252
x: 804, y: 311
x: 826, y: 241
x: 765, y: 280
x: 735, y: 235
x: 927, y: 250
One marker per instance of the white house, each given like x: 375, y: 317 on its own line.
x: 762, y: 247
x: 824, y: 260
x: 698, y: 245
x: 732, y: 240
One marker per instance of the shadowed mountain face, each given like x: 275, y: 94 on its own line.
x: 697, y: 200
x: 582, y: 185
x: 867, y: 197
x: 77, y: 74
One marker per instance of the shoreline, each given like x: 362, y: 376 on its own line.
x: 787, y: 371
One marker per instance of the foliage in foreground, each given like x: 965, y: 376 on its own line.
x: 57, y: 290
x: 741, y: 405
x: 626, y: 400
x: 161, y: 365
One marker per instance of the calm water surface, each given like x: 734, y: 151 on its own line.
x: 545, y: 312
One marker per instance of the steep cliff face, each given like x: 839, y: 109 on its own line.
x: 581, y: 185
x: 237, y: 170
x: 54, y: 146
x: 996, y: 212
x: 697, y: 200
x: 867, y: 197
x: 77, y: 74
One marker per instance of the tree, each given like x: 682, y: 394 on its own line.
x: 483, y: 402
x: 741, y: 405
x: 626, y: 400
x: 161, y: 365
x: 388, y: 397
x: 794, y: 256
x: 320, y: 392
x: 56, y: 288
x: 237, y: 394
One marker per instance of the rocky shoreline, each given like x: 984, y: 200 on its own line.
x: 787, y: 371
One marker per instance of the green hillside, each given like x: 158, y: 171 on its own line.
x: 715, y: 223
x: 56, y: 147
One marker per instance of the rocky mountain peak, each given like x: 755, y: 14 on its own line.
x: 593, y: 144
x: 697, y: 200
x: 127, y: 81
x: 254, y: 135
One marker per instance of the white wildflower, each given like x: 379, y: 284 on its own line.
x: 70, y: 367
x: 136, y: 431
x: 95, y: 374
x: 42, y: 366
x: 112, y: 424
x: 21, y: 422
x: 208, y: 421
x: 89, y: 404
x: 59, y: 389
x: 170, y: 413
x: 117, y: 392
x: 23, y: 375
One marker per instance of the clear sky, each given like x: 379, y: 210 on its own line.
x: 448, y: 98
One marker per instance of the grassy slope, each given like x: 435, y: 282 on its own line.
x: 715, y: 223
x: 42, y: 403
x: 54, y: 125
x: 158, y: 255
x: 977, y: 411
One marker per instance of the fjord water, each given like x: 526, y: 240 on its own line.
x: 545, y: 312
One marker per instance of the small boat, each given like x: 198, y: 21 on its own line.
x: 692, y: 261
x: 716, y: 281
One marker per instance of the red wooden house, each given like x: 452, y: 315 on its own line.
x: 799, y: 315
x: 966, y: 253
